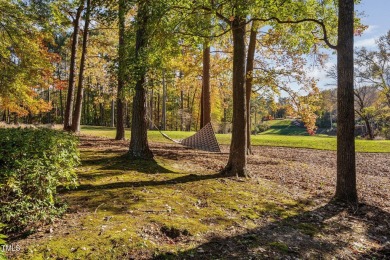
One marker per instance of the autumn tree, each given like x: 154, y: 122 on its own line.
x: 365, y: 97
x: 25, y: 63
x: 373, y: 67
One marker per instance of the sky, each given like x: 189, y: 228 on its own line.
x: 376, y: 15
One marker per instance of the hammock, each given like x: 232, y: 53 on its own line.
x: 204, y: 140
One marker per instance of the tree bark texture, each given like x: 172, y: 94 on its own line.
x: 249, y: 81
x: 236, y: 165
x: 120, y: 128
x: 346, y: 167
x: 206, y: 103
x: 72, y: 68
x: 139, y: 147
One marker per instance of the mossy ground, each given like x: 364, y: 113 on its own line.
x: 124, y: 206
x: 177, y: 206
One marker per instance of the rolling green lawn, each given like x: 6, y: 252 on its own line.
x: 280, y: 134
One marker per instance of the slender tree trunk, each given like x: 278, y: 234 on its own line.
x: 249, y: 81
x: 80, y: 90
x: 85, y: 101
x: 236, y: 165
x: 201, y: 110
x: 182, y: 110
x: 346, y: 167
x: 151, y: 107
x: 120, y: 128
x: 158, y: 108
x: 369, y: 128
x: 139, y: 147
x: 206, y: 99
x: 112, y: 113
x: 164, y: 103
x: 72, y: 68
x: 49, y: 112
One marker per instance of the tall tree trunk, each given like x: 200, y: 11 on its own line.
x: 72, y: 68
x: 158, y: 109
x: 85, y: 101
x: 61, y: 107
x: 346, y: 167
x: 164, y: 104
x: 120, y: 128
x: 80, y: 90
x: 237, y: 156
x: 182, y: 110
x: 206, y: 102
x: 139, y: 147
x: 249, y: 81
x: 112, y: 113
x: 151, y: 108
x: 49, y: 112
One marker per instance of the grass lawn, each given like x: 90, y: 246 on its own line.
x: 153, y: 207
x: 177, y: 207
x: 280, y: 134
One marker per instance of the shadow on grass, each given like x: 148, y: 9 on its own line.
x: 295, y: 237
x: 124, y: 163
x: 129, y: 184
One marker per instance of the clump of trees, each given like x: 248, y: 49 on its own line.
x: 371, y: 92
x: 180, y: 64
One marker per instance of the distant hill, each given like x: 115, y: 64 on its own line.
x: 284, y: 127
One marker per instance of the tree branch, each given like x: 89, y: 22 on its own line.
x: 320, y: 23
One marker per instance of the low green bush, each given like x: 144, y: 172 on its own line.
x: 261, y: 128
x: 33, y: 163
x: 2, y: 242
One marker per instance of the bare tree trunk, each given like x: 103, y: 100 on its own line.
x: 151, y: 108
x: 139, y: 147
x: 201, y: 109
x: 236, y: 165
x: 164, y: 104
x: 369, y: 128
x: 249, y: 81
x: 112, y: 113
x: 72, y: 68
x: 346, y: 167
x: 158, y: 108
x: 181, y: 114
x: 120, y: 128
x: 80, y: 90
x: 206, y: 102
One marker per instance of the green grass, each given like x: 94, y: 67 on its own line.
x: 275, y: 136
x: 126, y: 206
x: 284, y: 127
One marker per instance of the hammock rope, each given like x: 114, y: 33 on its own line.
x: 204, y: 139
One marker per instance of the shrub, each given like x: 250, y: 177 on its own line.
x: 385, y: 131
x: 33, y: 163
x: 261, y: 128
x: 2, y: 242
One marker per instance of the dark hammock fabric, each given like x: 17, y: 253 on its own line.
x: 204, y: 140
